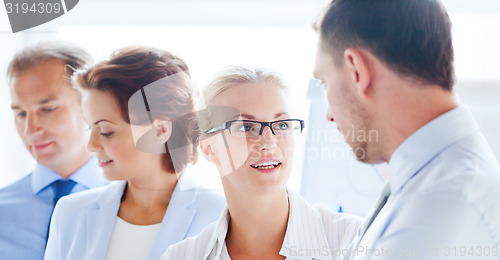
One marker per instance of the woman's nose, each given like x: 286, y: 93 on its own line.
x: 267, y: 139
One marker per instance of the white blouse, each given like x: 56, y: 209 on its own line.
x: 312, y: 233
x: 129, y: 241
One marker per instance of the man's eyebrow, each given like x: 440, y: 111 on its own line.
x: 43, y: 102
x: 47, y: 100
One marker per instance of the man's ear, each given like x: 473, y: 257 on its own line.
x: 162, y: 130
x: 206, y: 150
x: 358, y: 66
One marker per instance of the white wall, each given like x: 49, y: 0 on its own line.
x: 273, y: 34
x: 208, y: 35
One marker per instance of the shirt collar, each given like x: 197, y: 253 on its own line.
x: 42, y: 177
x: 298, y: 235
x: 304, y: 230
x: 89, y: 176
x: 218, y: 238
x: 427, y: 142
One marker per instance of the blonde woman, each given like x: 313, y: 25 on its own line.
x: 249, y: 133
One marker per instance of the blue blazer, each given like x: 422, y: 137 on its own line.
x: 82, y: 223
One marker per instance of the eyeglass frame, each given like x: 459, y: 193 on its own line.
x: 227, y: 126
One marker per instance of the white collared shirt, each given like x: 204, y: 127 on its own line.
x: 445, y: 199
x: 312, y: 233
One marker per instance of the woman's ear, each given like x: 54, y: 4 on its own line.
x: 162, y: 130
x: 206, y: 150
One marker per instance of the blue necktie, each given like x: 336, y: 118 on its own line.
x: 61, y: 188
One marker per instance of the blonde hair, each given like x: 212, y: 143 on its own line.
x: 236, y: 76
x: 229, y: 77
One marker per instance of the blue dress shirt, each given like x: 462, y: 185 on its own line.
x: 26, y: 206
x: 445, y: 196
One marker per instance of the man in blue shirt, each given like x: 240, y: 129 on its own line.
x: 387, y: 68
x: 48, y: 119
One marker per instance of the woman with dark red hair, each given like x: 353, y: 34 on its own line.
x: 139, y: 106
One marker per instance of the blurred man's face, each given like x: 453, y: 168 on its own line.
x: 48, y: 117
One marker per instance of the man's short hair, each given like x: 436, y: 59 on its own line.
x: 73, y: 56
x: 412, y: 37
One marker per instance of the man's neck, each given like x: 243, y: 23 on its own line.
x: 67, y: 169
x: 411, y: 111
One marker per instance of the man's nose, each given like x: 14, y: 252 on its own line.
x: 329, y: 115
x: 33, y: 125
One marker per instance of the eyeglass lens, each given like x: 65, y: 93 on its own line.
x: 245, y: 128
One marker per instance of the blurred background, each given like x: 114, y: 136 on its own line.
x: 274, y: 34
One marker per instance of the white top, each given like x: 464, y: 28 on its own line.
x: 312, y: 233
x: 129, y: 241
x: 445, y: 199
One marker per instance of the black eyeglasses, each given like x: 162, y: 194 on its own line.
x: 247, y: 128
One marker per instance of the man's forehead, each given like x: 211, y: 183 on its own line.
x: 318, y: 65
x: 53, y: 65
x: 19, y: 104
x: 36, y: 90
x: 325, y: 59
x: 320, y: 59
x: 41, y: 75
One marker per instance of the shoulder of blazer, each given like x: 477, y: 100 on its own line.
x: 93, y: 198
x: 214, y: 198
x: 202, y: 198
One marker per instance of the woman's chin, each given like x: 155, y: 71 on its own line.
x: 268, y: 187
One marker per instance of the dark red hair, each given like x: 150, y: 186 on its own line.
x: 128, y: 71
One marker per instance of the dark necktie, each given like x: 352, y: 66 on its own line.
x: 384, y: 196
x: 60, y: 189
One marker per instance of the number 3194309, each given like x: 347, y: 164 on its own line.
x: 40, y: 8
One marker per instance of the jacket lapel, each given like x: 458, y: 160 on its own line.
x: 176, y: 222
x: 100, y: 220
